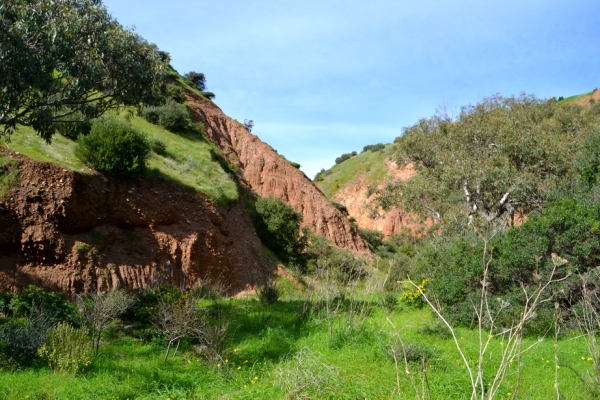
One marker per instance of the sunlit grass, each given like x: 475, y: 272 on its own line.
x: 188, y: 159
x: 264, y: 338
x: 369, y: 164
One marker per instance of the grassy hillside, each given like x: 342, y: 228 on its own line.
x: 370, y: 164
x: 187, y: 160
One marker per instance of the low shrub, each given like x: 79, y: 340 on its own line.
x: 344, y: 157
x: 172, y: 116
x: 411, y: 352
x: 176, y: 93
x: 373, y: 147
x: 158, y: 146
x: 269, y: 293
x: 9, y: 174
x: 32, y: 299
x: 67, y: 349
x: 115, y: 148
x: 20, y: 339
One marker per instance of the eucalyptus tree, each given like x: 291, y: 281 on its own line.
x: 67, y: 61
x: 502, y: 155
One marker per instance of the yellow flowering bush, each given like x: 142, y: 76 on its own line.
x: 413, y: 297
x: 67, y: 349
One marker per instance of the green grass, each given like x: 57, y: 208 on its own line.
x: 188, y: 159
x: 263, y: 340
x: 369, y: 164
x: 576, y: 97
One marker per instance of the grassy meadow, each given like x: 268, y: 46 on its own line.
x: 310, y: 345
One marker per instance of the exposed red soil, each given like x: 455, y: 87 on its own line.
x: 586, y: 100
x: 76, y: 233
x: 356, y: 199
x: 268, y: 174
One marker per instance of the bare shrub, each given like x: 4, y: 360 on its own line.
x: 303, y: 375
x: 178, y: 319
x: 98, y: 310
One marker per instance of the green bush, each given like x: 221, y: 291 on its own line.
x: 268, y: 293
x: 32, y: 298
x: 67, y: 349
x: 158, y: 146
x: 278, y: 226
x: 114, y: 147
x: 344, y: 157
x: 21, y: 338
x: 9, y: 174
x: 176, y: 93
x: 373, y: 147
x: 172, y: 116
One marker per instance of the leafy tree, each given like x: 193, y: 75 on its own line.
x: 497, y: 157
x: 69, y: 61
x: 197, y: 78
x: 248, y: 124
x: 279, y: 228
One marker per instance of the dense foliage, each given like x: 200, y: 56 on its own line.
x: 498, y: 157
x: 114, y: 147
x: 68, y: 61
x: 278, y: 226
x: 344, y: 157
x: 172, y: 116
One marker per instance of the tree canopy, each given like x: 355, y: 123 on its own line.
x: 499, y: 156
x: 68, y: 61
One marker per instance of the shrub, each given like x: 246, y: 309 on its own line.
x: 158, y: 146
x: 172, y: 116
x: 20, y: 340
x: 344, y: 157
x: 295, y: 164
x: 176, y: 93
x: 32, y: 299
x: 278, y: 226
x: 373, y: 147
x: 411, y: 352
x: 114, y: 147
x: 67, y: 349
x: 9, y: 175
x: 342, y: 208
x: 373, y: 238
x: 268, y: 293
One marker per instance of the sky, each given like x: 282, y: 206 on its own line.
x: 321, y: 78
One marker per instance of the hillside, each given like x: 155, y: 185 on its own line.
x: 353, y: 183
x: 69, y: 228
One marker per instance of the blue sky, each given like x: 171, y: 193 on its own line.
x: 322, y: 78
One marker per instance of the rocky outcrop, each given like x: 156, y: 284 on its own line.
x: 268, y: 174
x: 76, y: 233
x: 356, y: 197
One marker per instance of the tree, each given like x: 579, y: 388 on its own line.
x: 98, y: 310
x: 197, y: 78
x: 69, y: 61
x: 497, y: 157
x: 248, y: 124
x: 279, y: 228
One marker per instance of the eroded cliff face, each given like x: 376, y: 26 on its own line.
x: 268, y: 174
x: 355, y: 196
x: 78, y: 233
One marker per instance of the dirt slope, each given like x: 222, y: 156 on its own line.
x: 586, y: 100
x: 269, y: 174
x: 355, y: 196
x: 75, y: 233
